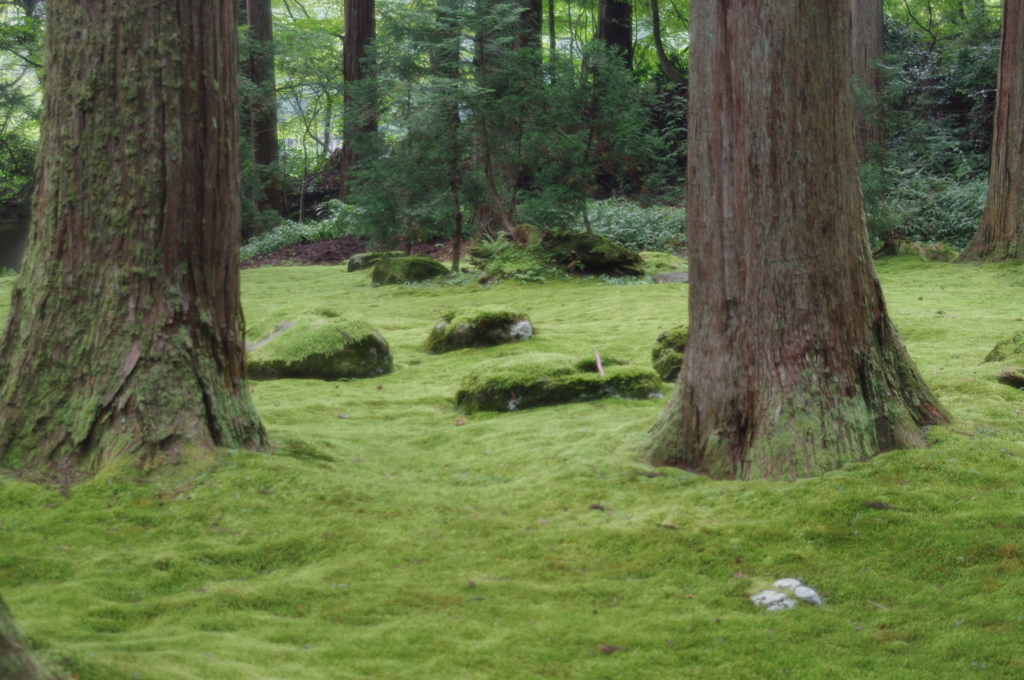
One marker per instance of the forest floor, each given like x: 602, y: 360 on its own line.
x: 397, y: 543
x: 337, y: 250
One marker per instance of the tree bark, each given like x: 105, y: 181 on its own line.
x: 615, y: 27
x: 264, y: 115
x: 360, y: 30
x: 16, y: 660
x: 125, y: 335
x: 1001, y: 234
x: 868, y: 41
x: 793, y: 366
x: 552, y: 43
x: 531, y: 25
x: 671, y: 72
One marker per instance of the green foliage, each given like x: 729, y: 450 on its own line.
x: 340, y: 220
x: 632, y: 226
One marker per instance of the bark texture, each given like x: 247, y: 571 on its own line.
x: 792, y: 365
x: 615, y: 27
x: 1001, y: 234
x: 868, y: 38
x: 531, y: 24
x: 16, y: 660
x: 263, y: 116
x: 360, y: 30
x: 125, y: 334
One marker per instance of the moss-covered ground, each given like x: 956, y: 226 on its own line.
x: 397, y: 543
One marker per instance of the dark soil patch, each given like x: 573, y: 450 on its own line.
x: 336, y: 251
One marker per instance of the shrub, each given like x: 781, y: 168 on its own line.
x: 340, y: 220
x: 632, y: 226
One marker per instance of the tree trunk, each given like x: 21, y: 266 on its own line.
x: 615, y: 27
x: 531, y: 24
x: 868, y: 44
x: 360, y: 30
x: 1001, y: 234
x: 16, y: 660
x: 792, y: 366
x: 666, y: 65
x: 264, y: 114
x: 125, y: 336
x: 552, y: 43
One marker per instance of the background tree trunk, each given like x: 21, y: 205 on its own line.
x: 671, y: 72
x: 360, y: 30
x: 16, y: 660
x: 868, y: 41
x: 615, y: 27
x: 792, y: 366
x: 266, y: 150
x: 1001, y: 234
x: 531, y: 25
x: 124, y: 335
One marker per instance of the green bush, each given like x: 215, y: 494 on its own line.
x: 659, y: 227
x: 340, y: 221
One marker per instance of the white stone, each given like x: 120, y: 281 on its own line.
x: 773, y: 600
x: 808, y: 595
x: 788, y: 583
x: 521, y: 330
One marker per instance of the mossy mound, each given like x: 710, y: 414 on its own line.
x: 1014, y: 377
x: 319, y: 344
x: 590, y: 254
x: 479, y: 327
x: 411, y: 269
x: 661, y: 263
x: 367, y: 260
x: 933, y: 252
x: 667, y: 355
x: 526, y: 381
x: 1011, y: 347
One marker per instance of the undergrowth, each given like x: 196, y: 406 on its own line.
x: 337, y: 220
x: 387, y: 536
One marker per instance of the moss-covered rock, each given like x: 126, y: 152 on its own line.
x: 1014, y: 377
x: 412, y: 269
x: 367, y: 260
x: 591, y: 254
x: 479, y: 327
x: 661, y: 263
x: 667, y: 355
x: 526, y: 381
x: 320, y: 344
x: 1011, y: 347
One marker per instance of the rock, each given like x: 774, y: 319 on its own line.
x: 1014, y: 377
x: 319, y: 344
x: 589, y: 254
x: 367, y: 260
x: 788, y: 583
x: 412, y: 269
x: 773, y: 600
x: 807, y: 595
x: 529, y: 380
x: 672, y: 277
x: 1004, y: 349
x: 667, y: 355
x: 480, y: 327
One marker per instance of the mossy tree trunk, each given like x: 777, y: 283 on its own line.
x: 615, y: 27
x: 124, y: 335
x: 263, y: 115
x: 1001, y: 234
x: 360, y: 30
x: 792, y: 365
x: 868, y: 41
x: 16, y: 660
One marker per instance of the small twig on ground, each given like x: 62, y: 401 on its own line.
x: 880, y: 606
x: 600, y: 366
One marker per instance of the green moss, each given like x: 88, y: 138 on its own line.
x: 318, y: 343
x: 660, y: 263
x: 668, y: 353
x: 485, y: 326
x: 412, y: 269
x: 367, y: 260
x: 1005, y: 349
x: 527, y: 381
x: 586, y: 253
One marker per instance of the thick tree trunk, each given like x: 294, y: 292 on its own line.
x: 671, y: 72
x: 792, y: 366
x: 868, y: 47
x: 531, y: 24
x: 360, y: 30
x: 264, y: 115
x: 124, y: 335
x: 615, y: 27
x: 16, y: 660
x: 1001, y: 234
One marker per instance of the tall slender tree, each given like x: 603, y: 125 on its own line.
x: 263, y: 115
x: 125, y: 335
x: 1001, y: 234
x: 615, y: 27
x: 670, y: 70
x: 793, y: 366
x: 360, y: 118
x: 531, y: 24
x: 868, y: 36
x: 16, y: 659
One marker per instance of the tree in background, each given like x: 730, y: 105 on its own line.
x: 263, y: 112
x: 125, y: 336
x: 792, y: 365
x: 360, y: 116
x: 868, y: 40
x: 615, y: 27
x: 16, y: 659
x: 1001, y: 234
